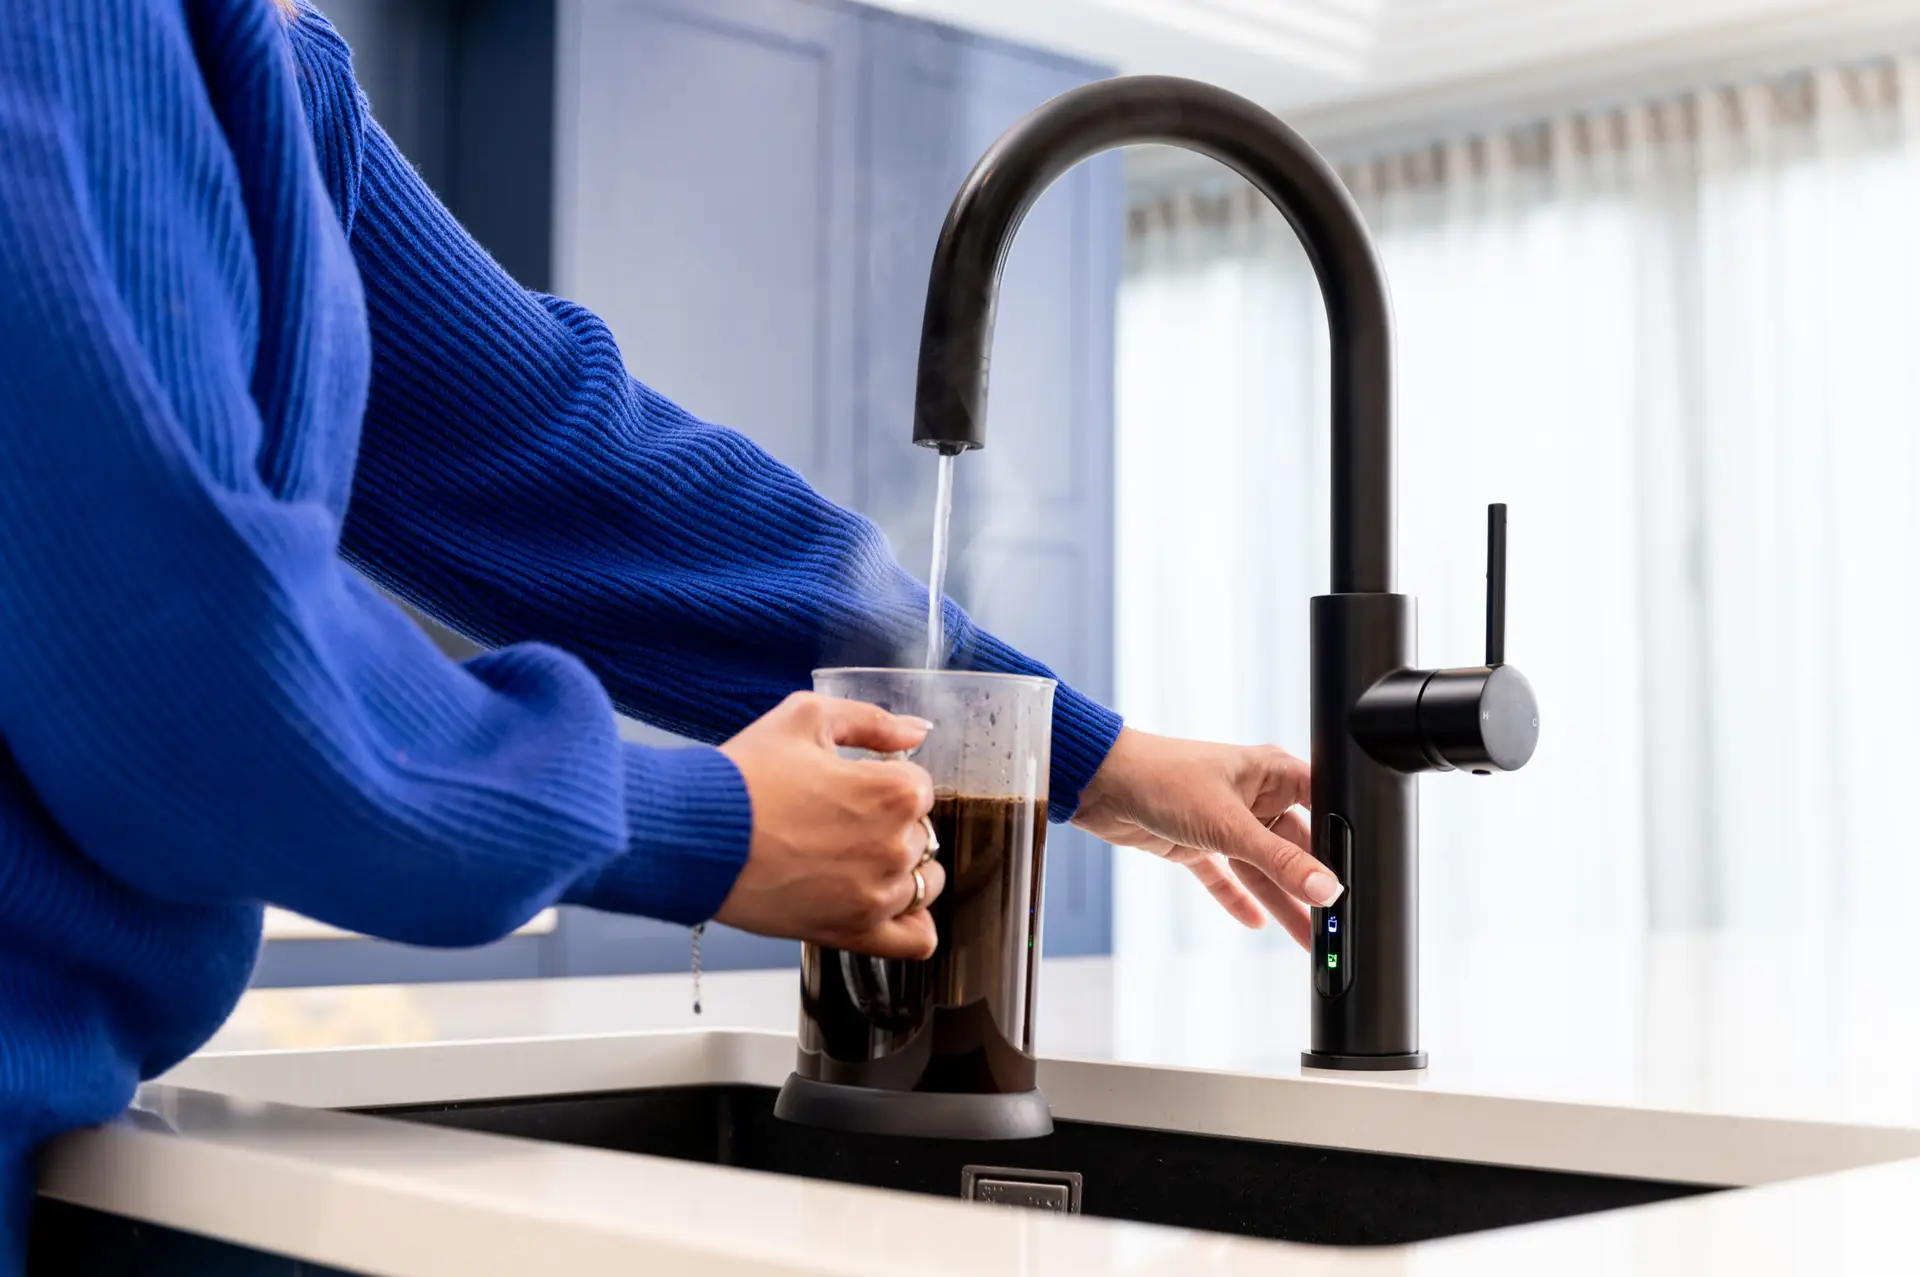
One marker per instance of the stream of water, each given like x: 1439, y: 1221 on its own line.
x: 937, y: 574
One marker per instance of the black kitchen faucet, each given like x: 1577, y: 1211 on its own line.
x: 1377, y: 722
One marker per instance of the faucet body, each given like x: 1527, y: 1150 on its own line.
x: 1376, y: 721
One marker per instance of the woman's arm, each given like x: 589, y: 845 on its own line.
x: 210, y: 704
x: 517, y: 483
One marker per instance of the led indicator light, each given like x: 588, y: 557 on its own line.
x: 1333, y: 926
x: 1333, y: 961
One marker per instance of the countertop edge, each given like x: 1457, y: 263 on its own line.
x: 410, y: 1201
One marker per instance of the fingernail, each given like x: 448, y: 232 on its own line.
x: 1322, y: 888
x: 925, y: 725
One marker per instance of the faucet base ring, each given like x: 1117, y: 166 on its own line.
x: 1409, y: 1061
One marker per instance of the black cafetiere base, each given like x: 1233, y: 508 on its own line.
x: 1364, y: 1063
x: 1022, y: 1115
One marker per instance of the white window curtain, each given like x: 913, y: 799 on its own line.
x: 1682, y: 341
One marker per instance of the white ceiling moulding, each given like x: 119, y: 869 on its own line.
x: 1235, y: 42
x: 1392, y: 116
x: 1365, y: 74
x: 1655, y: 56
x: 1424, y: 39
x: 1351, y: 26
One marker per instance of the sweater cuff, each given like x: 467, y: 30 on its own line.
x: 1083, y: 729
x: 689, y: 823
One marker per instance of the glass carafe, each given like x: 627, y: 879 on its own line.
x: 960, y: 1023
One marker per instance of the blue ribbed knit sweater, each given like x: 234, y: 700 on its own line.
x: 242, y: 347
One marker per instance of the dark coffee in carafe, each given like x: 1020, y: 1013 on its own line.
x: 961, y: 1021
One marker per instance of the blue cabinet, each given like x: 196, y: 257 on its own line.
x: 285, y: 963
x: 707, y: 180
x: 707, y: 175
x: 748, y: 192
x: 1032, y: 556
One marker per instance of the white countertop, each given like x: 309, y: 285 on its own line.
x: 1813, y: 1027
x: 1627, y: 1042
x: 284, y: 924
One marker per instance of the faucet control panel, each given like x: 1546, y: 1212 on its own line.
x: 1332, y: 961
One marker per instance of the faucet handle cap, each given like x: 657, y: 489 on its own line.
x: 1480, y: 720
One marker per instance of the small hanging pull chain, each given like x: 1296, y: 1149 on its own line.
x: 696, y: 966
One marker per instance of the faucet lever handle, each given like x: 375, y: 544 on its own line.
x: 1497, y: 583
x: 1481, y: 718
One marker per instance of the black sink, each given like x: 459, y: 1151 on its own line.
x: 1256, y: 1188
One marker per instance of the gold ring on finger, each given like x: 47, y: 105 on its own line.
x: 919, y: 891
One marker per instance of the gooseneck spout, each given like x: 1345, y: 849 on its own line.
x: 1376, y: 720
x: 956, y: 338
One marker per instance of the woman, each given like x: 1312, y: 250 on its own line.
x: 244, y: 348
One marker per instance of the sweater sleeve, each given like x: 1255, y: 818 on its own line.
x: 516, y: 483
x: 205, y: 698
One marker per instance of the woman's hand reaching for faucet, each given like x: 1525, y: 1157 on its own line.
x: 1231, y: 814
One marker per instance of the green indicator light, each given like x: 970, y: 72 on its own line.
x: 1333, y: 961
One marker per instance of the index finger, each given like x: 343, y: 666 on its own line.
x: 1285, y: 862
x: 1285, y: 782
